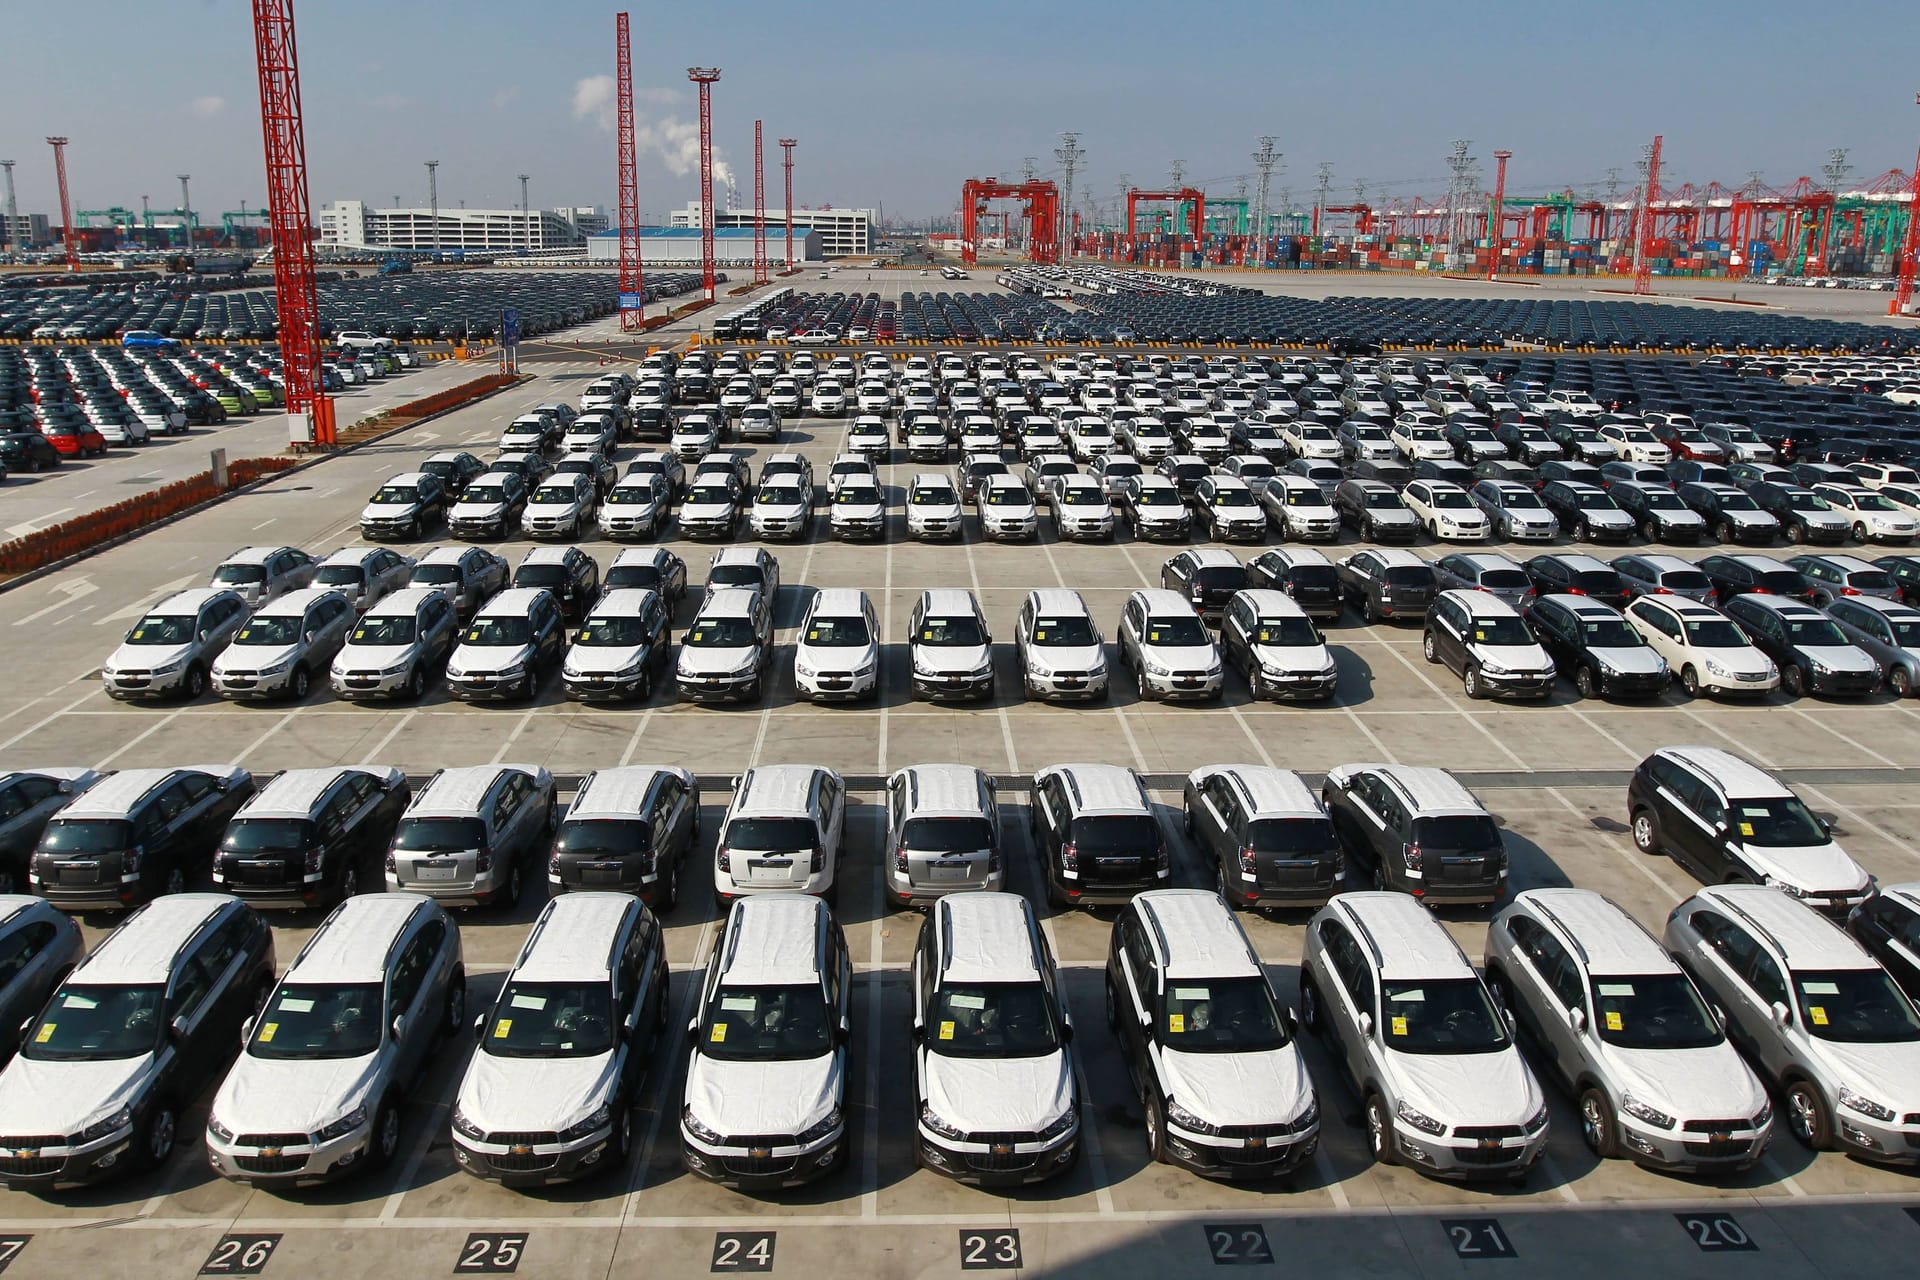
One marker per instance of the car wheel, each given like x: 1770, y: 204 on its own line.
x: 1646, y: 831
x: 1585, y: 681
x: 670, y: 892
x: 1584, y: 530
x: 1502, y: 994
x: 530, y: 683
x: 1369, y: 611
x: 1379, y: 1130
x: 1596, y: 1124
x: 1860, y: 533
x: 1156, y: 1121
x: 1649, y: 530
x: 1796, y: 533
x: 1723, y: 531
x: 298, y: 684
x: 176, y: 881
x: 386, y: 1134
x: 1140, y: 686
x: 1309, y: 1004
x: 1807, y: 1117
x: 456, y: 1005
x: 416, y: 685
x: 1471, y: 683
x: 1690, y: 681
x: 196, y: 682
x: 1795, y: 678
x: 509, y: 898
x: 1902, y: 681
x: 1428, y: 649
x: 157, y: 1135
x: 622, y: 1136
x: 349, y: 881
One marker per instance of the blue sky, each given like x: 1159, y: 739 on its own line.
x: 896, y: 104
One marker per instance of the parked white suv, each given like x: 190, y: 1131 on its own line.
x: 1062, y: 653
x: 1708, y: 649
x: 836, y: 653
x: 1441, y: 1084
x: 784, y: 832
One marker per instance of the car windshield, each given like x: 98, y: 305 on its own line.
x: 717, y: 495
x: 1777, y: 822
x: 1447, y: 499
x: 1221, y: 1015
x: 1716, y: 633
x: 241, y: 573
x: 163, y: 628
x: 633, y: 494
x: 397, y: 495
x: 1232, y: 498
x: 483, y: 493
x: 633, y: 575
x: 1873, y: 502
x: 864, y: 495
x: 963, y: 631
x: 1478, y: 435
x: 846, y: 632
x: 779, y: 495
x: 266, y: 835
x: 1610, y: 633
x: 1305, y: 497
x: 1662, y: 500
x: 1451, y: 1015
x: 339, y: 575
x: 1639, y: 437
x: 439, y: 835
x: 1807, y: 502
x: 1738, y: 502
x: 435, y: 575
x: 1856, y: 1006
x: 1520, y: 499
x: 550, y: 1020
x: 319, y: 1020
x: 617, y: 632
x: 1596, y: 502
x: 1177, y: 629
x: 1095, y: 497
x: 1287, y: 631
x: 721, y: 633
x: 1066, y: 633
x: 499, y: 631
x: 1815, y: 633
x: 86, y: 1023
x: 1652, y: 1011
x: 384, y: 630
x: 937, y: 495
x: 555, y: 495
x: 269, y: 630
x: 744, y: 1024
x: 1499, y: 630
x: 992, y: 1020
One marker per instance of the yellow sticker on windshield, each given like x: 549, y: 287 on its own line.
x: 266, y: 1032
x: 719, y: 1032
x: 1399, y: 1026
x: 814, y: 634
x: 137, y: 635
x: 1039, y: 635
x: 946, y: 1031
x: 1818, y: 1014
x: 1614, y: 1021
x: 501, y: 1028
x: 1153, y: 637
x: 1177, y: 1023
x: 1479, y: 635
x: 1746, y: 828
x: 45, y: 1033
x: 360, y: 633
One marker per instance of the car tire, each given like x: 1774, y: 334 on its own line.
x: 1794, y: 677
x: 195, y: 684
x: 1369, y: 611
x: 1428, y: 649
x: 1154, y: 1115
x: 384, y: 1144
x: 1860, y: 533
x: 1724, y: 531
x: 670, y: 892
x: 157, y: 1134
x: 456, y: 1012
x: 1796, y: 534
x: 1379, y: 1126
x: 1596, y: 1123
x: 1646, y: 832
x: 416, y: 686
x: 1650, y: 531
x: 1141, y: 688
x: 530, y: 683
x: 1690, y: 680
x: 349, y: 880
x: 509, y: 898
x: 1310, y: 1004
x: 1807, y: 1116
x: 1902, y: 682
x: 1470, y: 683
x: 1584, y: 530
x: 1586, y: 682
x: 298, y: 684
x: 643, y: 688
x: 175, y: 881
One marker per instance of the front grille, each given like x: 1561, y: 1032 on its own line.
x: 1013, y: 1162
x: 1250, y: 1155
x: 1260, y: 1130
x: 36, y: 1167
x: 1716, y: 1126
x: 271, y: 1140
x: 1488, y: 1155
x: 512, y: 1139
x: 271, y: 1164
x: 529, y: 1163
x: 763, y: 1167
x: 1912, y: 1117
x: 1731, y: 1147
x: 1484, y: 1131
x: 34, y: 1140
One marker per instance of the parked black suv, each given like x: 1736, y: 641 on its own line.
x: 1568, y: 573
x: 568, y: 573
x: 1387, y: 583
x: 1418, y: 831
x: 311, y: 837
x: 1733, y: 574
x: 139, y: 834
x: 1096, y: 822
x: 1263, y: 829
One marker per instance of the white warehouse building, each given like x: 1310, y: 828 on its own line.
x: 732, y: 246
x: 352, y: 224
x: 843, y: 232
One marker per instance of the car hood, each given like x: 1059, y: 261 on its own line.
x: 534, y: 1095
x: 488, y: 658
x: 1048, y: 659
x: 1161, y: 510
x: 935, y: 511
x: 372, y: 657
x: 1607, y: 518
x: 1468, y: 1088
x: 858, y: 510
x: 253, y: 657
x: 773, y: 1098
x: 1271, y: 1087
x: 1887, y: 1073
x: 1683, y: 516
x: 1530, y: 515
x: 380, y: 512
x: 1840, y: 657
x: 147, y: 657
x: 716, y: 660
x: 1742, y: 517
x: 1009, y: 511
x: 1391, y: 515
x: 274, y: 1095
x: 1295, y: 657
x: 1630, y: 660
x: 476, y: 510
x: 999, y: 1095
x: 705, y: 510
x: 852, y: 657
x: 1182, y: 657
x: 1819, y: 867
x: 1823, y: 519
x: 1514, y: 657
x: 780, y: 510
x: 1689, y: 1084
x: 603, y: 659
x: 537, y: 509
x: 66, y: 1097
x: 956, y: 659
x: 1740, y: 658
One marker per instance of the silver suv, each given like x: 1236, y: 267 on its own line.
x: 173, y: 645
x: 943, y: 831
x: 474, y: 835
x: 1814, y: 1012
x: 1172, y: 654
x: 1442, y: 1086
x: 1062, y: 653
x: 1619, y: 1023
x: 283, y: 646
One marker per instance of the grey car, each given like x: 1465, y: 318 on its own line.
x: 39, y: 946
x: 1662, y: 575
x: 28, y: 798
x: 1484, y: 571
x: 1887, y: 630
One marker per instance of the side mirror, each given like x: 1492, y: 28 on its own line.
x: 26, y: 1026
x: 1066, y: 1033
x: 693, y: 1027
x: 1778, y: 1012
x: 178, y: 1028
x: 399, y: 1026
x: 1506, y: 1016
x: 919, y: 1033
x: 1577, y: 1021
x: 246, y: 1031
x: 479, y: 1025
x: 1366, y: 1024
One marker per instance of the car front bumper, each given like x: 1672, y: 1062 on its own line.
x: 1007, y: 1160
x: 476, y: 688
x: 779, y: 1163
x: 65, y: 1164
x: 532, y: 1164
x: 1184, y: 687
x: 715, y: 688
x: 952, y: 688
x: 603, y: 688
x: 837, y: 686
x: 241, y: 686
x: 1465, y: 1160
x: 1248, y: 1159
x: 305, y: 1163
x: 1721, y: 1148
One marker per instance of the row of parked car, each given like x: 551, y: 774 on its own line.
x: 1669, y: 1047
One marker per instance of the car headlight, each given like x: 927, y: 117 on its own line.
x: 820, y: 1128
x: 1764, y: 1117
x: 219, y: 1130
x: 1642, y: 1112
x: 170, y: 668
x: 513, y: 672
x: 982, y: 672
x: 464, y: 1126
x: 1714, y: 668
x: 866, y: 668
x: 345, y: 1125
x: 276, y: 668
x: 1155, y: 669
x: 456, y: 672
x: 1495, y: 669
x: 119, y: 1120
x: 567, y: 672
x: 696, y: 1128
x: 1864, y: 1105
x: 1420, y: 1120
x: 1177, y: 1114
x: 1784, y: 886
x: 1065, y: 1122
x: 931, y: 1119
x: 1536, y: 1122
x: 602, y: 1116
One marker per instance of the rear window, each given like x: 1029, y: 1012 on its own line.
x: 1115, y: 834
x: 1413, y: 575
x: 1221, y: 577
x: 606, y: 836
x: 1871, y: 580
x: 1293, y: 836
x: 1312, y: 575
x: 1781, y: 581
x: 1500, y: 579
x: 85, y: 836
x: 947, y: 835
x: 768, y: 835
x: 1457, y: 833
x: 425, y: 834
x: 633, y: 575
x: 1604, y: 581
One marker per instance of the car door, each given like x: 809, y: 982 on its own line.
x: 1698, y: 825
x: 1133, y: 996
x: 1557, y: 990
x: 1449, y: 635
x: 407, y: 1000
x: 1558, y: 634
x: 1368, y: 819
x: 1357, y: 996
x: 189, y: 1020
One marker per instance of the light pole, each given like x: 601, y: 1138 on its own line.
x: 433, y: 202
x: 526, y: 226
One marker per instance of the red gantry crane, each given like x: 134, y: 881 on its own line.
x: 1042, y: 214
x: 1643, y: 241
x: 759, y: 211
x: 1195, y: 201
x: 289, y: 213
x: 1909, y: 260
x: 633, y: 289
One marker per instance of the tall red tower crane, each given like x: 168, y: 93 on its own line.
x: 59, y: 146
x: 1495, y: 232
x: 633, y: 289
x: 288, y: 211
x: 1909, y: 260
x: 759, y: 211
x: 704, y: 77
x: 787, y: 145
x: 1643, y: 245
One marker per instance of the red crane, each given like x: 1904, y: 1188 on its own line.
x: 1909, y: 259
x: 1195, y: 201
x: 704, y: 77
x: 633, y: 289
x: 59, y: 146
x: 1042, y: 214
x: 759, y: 211
x: 787, y: 145
x: 289, y: 213
x: 1643, y: 246
x: 1495, y: 231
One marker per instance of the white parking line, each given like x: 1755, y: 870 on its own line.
x: 1634, y: 858
x: 436, y: 1121
x: 1133, y: 744
x: 246, y: 753
x: 506, y: 744
x: 1561, y: 1186
x: 1462, y: 712
x: 644, y: 1156
x: 633, y: 743
x: 389, y: 736
x: 138, y: 738
x: 1246, y: 727
x: 879, y: 675
x: 1371, y: 737
x: 870, y: 1147
x: 1855, y: 743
